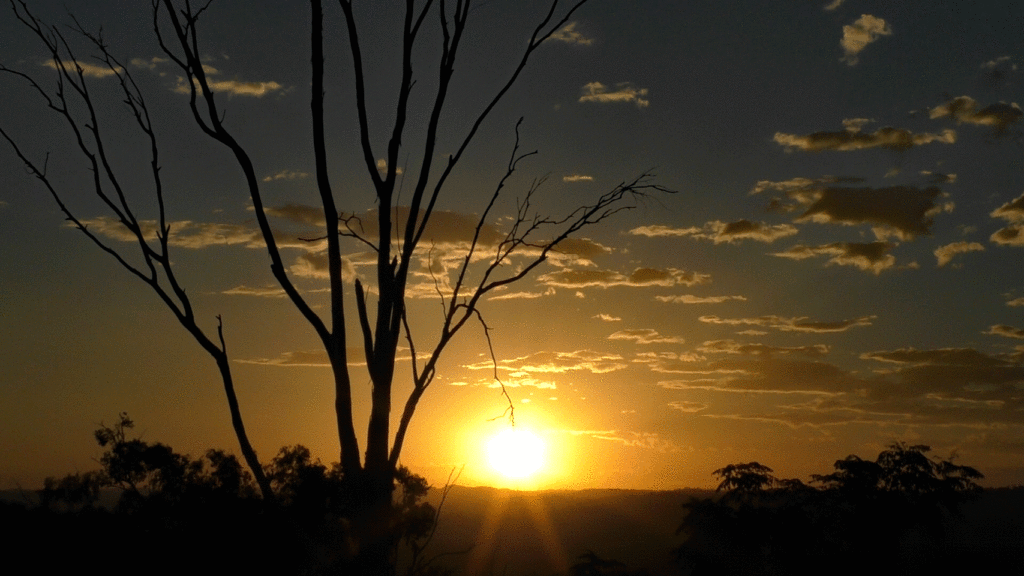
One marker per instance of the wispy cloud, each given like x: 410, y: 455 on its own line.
x: 577, y: 178
x: 286, y: 175
x: 89, y: 70
x: 583, y: 278
x: 857, y: 36
x: 692, y: 299
x: 728, y: 232
x: 868, y: 256
x: 570, y: 35
x: 645, y: 336
x: 1013, y: 212
x: 265, y: 292
x: 945, y: 254
x: 964, y: 110
x: 800, y: 324
x: 1006, y: 331
x: 848, y: 140
x: 624, y: 92
x: 609, y: 318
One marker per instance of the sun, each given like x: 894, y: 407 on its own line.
x: 516, y: 453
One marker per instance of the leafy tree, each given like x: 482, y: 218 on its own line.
x: 885, y: 516
x: 401, y: 224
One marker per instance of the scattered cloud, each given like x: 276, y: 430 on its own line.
x: 1016, y: 302
x: 833, y: 5
x: 964, y: 110
x: 87, y: 69
x: 687, y: 406
x: 905, y: 211
x: 556, y: 363
x: 1006, y: 331
x: 286, y: 175
x: 313, y: 358
x: 645, y: 336
x: 846, y: 140
x: 945, y: 253
x: 382, y: 167
x: 610, y: 318
x: 858, y: 35
x: 657, y: 230
x: 719, y: 232
x: 1013, y: 212
x: 624, y: 92
x: 577, y: 178
x: 570, y: 35
x: 265, y: 292
x: 799, y: 324
x: 867, y: 256
x: 150, y: 64
x: 734, y: 347
x: 692, y: 299
x: 648, y: 440
x: 582, y: 278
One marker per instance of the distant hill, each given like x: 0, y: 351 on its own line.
x: 512, y: 533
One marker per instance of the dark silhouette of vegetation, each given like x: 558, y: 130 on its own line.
x: 889, y: 516
x: 212, y: 508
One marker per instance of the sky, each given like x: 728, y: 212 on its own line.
x: 836, y: 270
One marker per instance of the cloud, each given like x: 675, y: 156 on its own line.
x: 734, y: 347
x: 833, y: 5
x: 687, y: 406
x: 657, y: 230
x: 858, y: 35
x: 648, y: 440
x: 231, y: 87
x: 570, y: 35
x: 799, y: 324
x: 847, y: 140
x: 580, y: 278
x: 940, y: 356
x: 692, y: 299
x: 313, y: 358
x: 1016, y: 302
x: 1006, y: 331
x: 88, y: 70
x: 624, y: 92
x: 867, y: 256
x: 150, y: 64
x: 719, y: 232
x: 1013, y: 212
x: 286, y: 175
x: 577, y: 178
x: 964, y: 110
x: 1009, y: 236
x: 945, y: 253
x: 645, y: 336
x: 184, y: 233
x: 556, y: 363
x: 905, y: 211
x: 265, y: 292
x: 607, y: 318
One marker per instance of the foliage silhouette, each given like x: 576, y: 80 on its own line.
x: 168, y: 499
x: 888, y: 516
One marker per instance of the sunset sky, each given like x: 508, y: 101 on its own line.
x: 838, y: 269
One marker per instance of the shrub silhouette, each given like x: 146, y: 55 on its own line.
x: 886, y: 516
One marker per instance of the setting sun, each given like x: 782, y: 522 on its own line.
x: 516, y: 453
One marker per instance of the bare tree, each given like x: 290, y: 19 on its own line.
x: 400, y: 226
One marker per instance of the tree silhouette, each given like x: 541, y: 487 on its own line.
x: 401, y: 225
x: 888, y: 516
